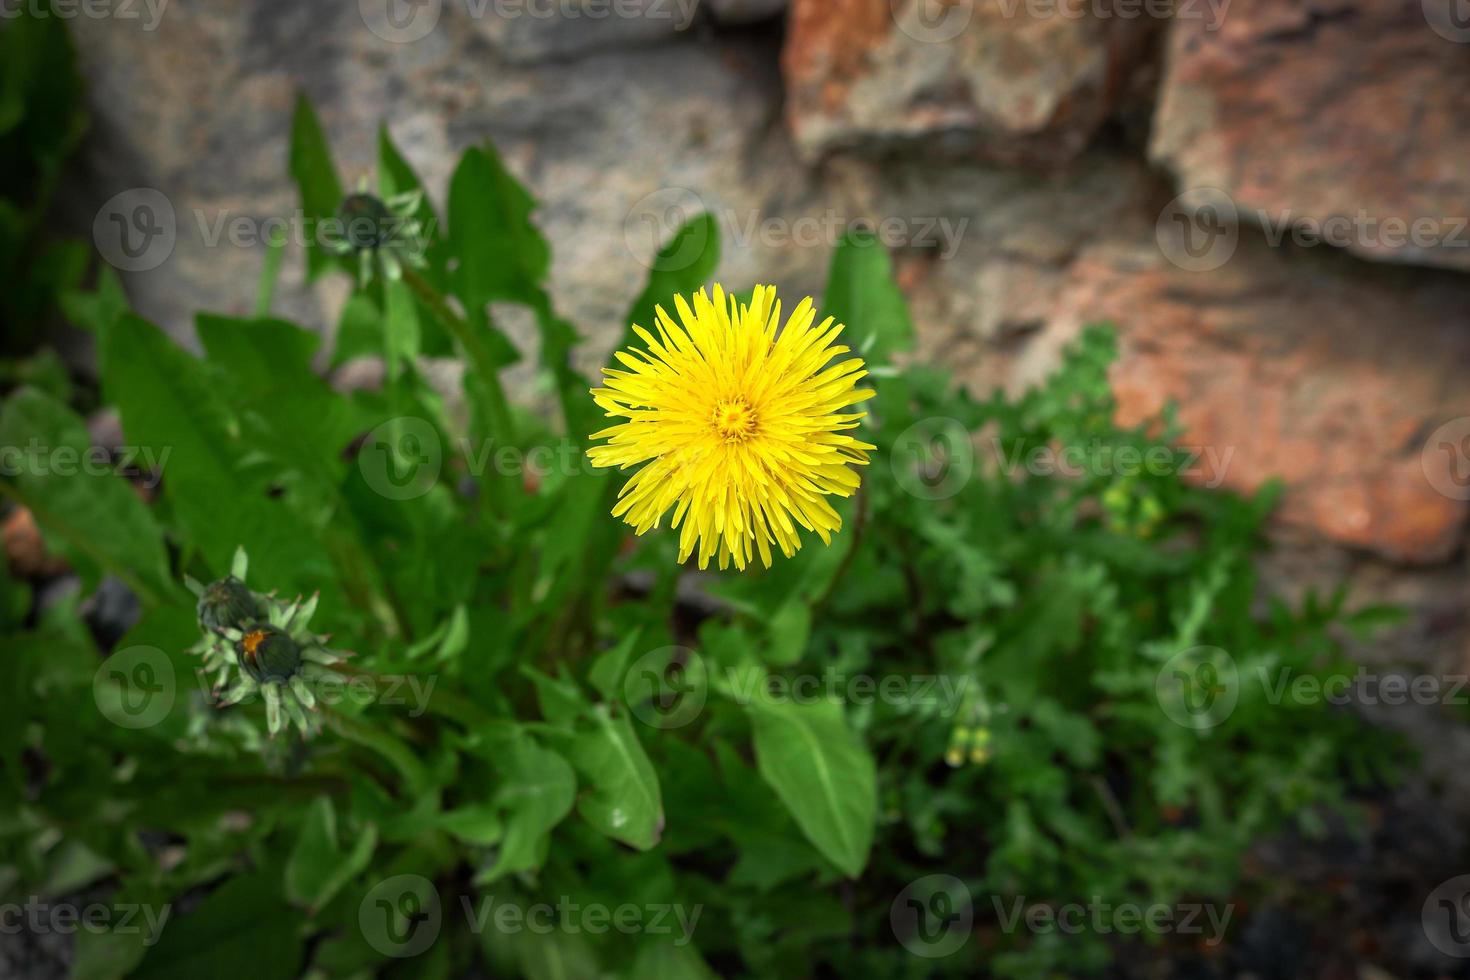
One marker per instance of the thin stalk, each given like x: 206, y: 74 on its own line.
x: 478, y: 356
x: 859, y: 522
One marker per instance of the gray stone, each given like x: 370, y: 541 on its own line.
x: 616, y: 146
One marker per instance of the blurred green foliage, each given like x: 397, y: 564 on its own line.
x: 42, y: 120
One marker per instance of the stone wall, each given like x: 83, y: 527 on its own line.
x: 1168, y: 165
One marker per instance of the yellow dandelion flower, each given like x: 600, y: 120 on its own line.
x: 741, y: 425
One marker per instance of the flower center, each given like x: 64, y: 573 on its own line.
x: 252, y: 641
x: 734, y: 420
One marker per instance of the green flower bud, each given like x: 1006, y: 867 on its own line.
x: 268, y: 654
x: 227, y: 604
x: 366, y: 222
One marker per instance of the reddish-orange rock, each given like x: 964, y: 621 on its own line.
x: 1003, y: 79
x: 1300, y: 364
x: 1343, y: 118
x: 25, y: 548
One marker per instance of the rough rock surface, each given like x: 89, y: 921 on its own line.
x: 531, y: 31
x: 1328, y: 370
x: 616, y: 145
x: 991, y: 78
x: 1303, y: 364
x: 1305, y: 112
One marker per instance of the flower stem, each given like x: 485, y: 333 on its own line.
x: 859, y: 521
x: 497, y: 409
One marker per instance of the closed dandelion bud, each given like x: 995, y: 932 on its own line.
x: 954, y: 757
x: 227, y: 604
x: 366, y: 222
x: 268, y: 654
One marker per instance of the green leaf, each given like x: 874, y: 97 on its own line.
x: 478, y: 825
x: 316, y: 180
x: 166, y: 399
x: 502, y: 255
x: 862, y: 293
x: 823, y: 774
x: 401, y: 317
x: 684, y: 263
x: 670, y: 961
x: 560, y: 700
x: 92, y: 512
x: 241, y: 930
x: 318, y: 867
x: 624, y: 803
x: 536, y: 793
x: 555, y: 955
x: 606, y: 673
x: 789, y: 630
x: 112, y: 953
x: 293, y: 416
x: 360, y: 330
x: 98, y: 310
